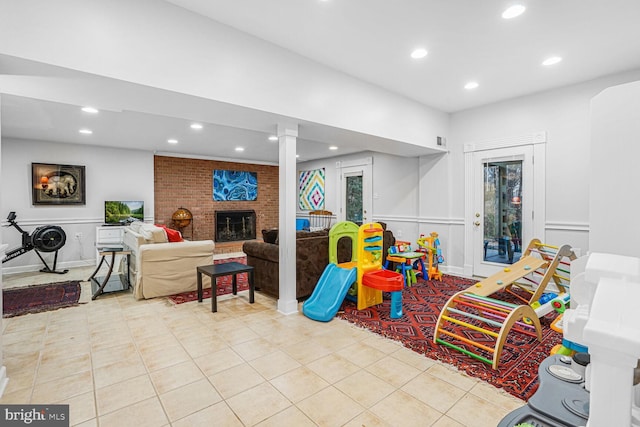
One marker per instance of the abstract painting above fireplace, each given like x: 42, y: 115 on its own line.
x: 235, y: 225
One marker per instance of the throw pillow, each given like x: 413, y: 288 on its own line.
x: 270, y: 236
x: 135, y: 226
x: 172, y: 235
x: 154, y: 234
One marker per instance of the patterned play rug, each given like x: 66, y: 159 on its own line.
x: 224, y: 284
x: 38, y: 298
x: 517, y: 372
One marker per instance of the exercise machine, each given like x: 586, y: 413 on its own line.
x: 47, y: 238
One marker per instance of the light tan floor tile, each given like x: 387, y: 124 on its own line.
x: 258, y: 404
x: 27, y: 362
x: 20, y: 380
x: 29, y: 335
x: 368, y: 419
x: 213, y: 363
x: 306, y: 351
x: 175, y: 376
x: 496, y: 396
x: 402, y: 409
x: 165, y: 357
x: 274, y: 364
x: 365, y: 388
x: 124, y: 393
x: 451, y: 375
x: 66, y: 349
x: 82, y: 408
x: 253, y: 349
x: 410, y: 357
x: 291, y: 416
x: 335, y: 341
x: 107, y: 356
x: 62, y: 388
x: 330, y: 407
x: 361, y: 355
x: 333, y: 368
x: 235, y: 380
x: 89, y: 423
x: 21, y: 396
x: 234, y: 335
x: 433, y: 391
x: 148, y: 413
x: 128, y: 350
x: 198, y: 346
x: 119, y: 371
x: 54, y: 368
x: 472, y: 410
x: 217, y: 414
x: 393, y: 371
x: 385, y: 345
x: 299, y: 383
x: 445, y: 421
x: 188, y: 399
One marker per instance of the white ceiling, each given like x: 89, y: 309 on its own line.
x: 368, y: 39
x: 466, y: 40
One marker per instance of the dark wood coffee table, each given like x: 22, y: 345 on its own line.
x: 226, y: 269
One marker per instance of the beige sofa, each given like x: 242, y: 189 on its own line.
x: 160, y: 268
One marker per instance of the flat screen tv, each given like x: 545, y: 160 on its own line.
x: 123, y: 212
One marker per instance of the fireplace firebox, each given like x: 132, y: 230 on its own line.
x: 235, y: 225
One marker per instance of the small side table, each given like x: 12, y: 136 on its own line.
x: 106, y: 284
x: 226, y: 269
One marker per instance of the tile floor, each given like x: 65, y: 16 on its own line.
x: 121, y: 362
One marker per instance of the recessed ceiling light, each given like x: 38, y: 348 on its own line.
x: 172, y: 141
x: 552, y: 60
x: 333, y: 147
x: 86, y: 131
x: 513, y: 11
x: 196, y: 126
x: 419, y: 53
x: 90, y: 110
x: 471, y: 85
x: 239, y: 149
x: 273, y: 138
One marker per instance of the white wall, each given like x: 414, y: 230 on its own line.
x: 157, y: 44
x: 614, y: 204
x: 565, y: 115
x: 427, y: 194
x: 111, y: 174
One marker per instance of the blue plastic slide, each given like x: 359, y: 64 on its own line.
x: 324, y: 302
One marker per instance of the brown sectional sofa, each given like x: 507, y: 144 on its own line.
x: 312, y: 256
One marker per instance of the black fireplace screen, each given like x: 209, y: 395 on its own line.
x: 235, y: 225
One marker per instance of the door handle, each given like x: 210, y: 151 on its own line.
x: 477, y: 223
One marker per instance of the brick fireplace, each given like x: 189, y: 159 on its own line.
x: 235, y: 225
x: 184, y: 182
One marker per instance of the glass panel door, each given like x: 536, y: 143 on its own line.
x: 353, y: 202
x: 502, y: 211
x: 503, y: 207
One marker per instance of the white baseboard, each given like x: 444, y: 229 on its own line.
x: 38, y: 267
x: 453, y: 271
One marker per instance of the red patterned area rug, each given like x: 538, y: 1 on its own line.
x: 38, y: 298
x: 224, y: 284
x: 517, y: 372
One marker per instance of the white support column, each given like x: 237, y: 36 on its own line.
x: 287, y: 137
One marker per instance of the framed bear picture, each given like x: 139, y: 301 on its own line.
x: 54, y: 184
